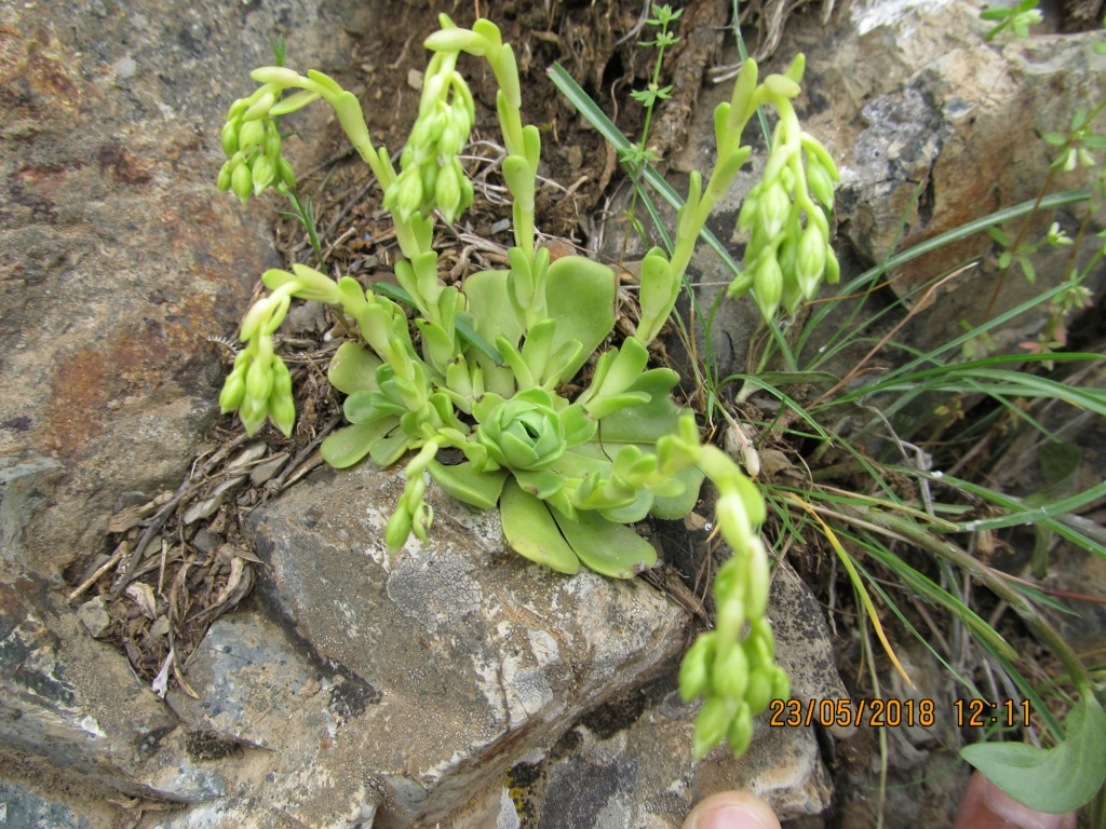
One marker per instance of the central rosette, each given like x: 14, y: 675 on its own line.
x: 524, y: 433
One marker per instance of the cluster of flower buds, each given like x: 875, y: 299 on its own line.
x: 260, y: 386
x: 252, y: 143
x: 737, y: 677
x: 432, y: 176
x: 787, y: 257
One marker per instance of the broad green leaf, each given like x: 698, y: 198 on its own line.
x: 480, y: 489
x: 1054, y: 780
x: 389, y: 449
x: 347, y: 446
x: 531, y: 531
x: 579, y: 295
x: 609, y: 549
x: 632, y: 512
x: 648, y: 422
x: 493, y: 317
x: 674, y: 507
x: 353, y: 368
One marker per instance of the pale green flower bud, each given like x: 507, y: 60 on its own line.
x: 750, y: 210
x: 759, y: 691
x: 225, y: 173
x: 282, y: 411
x: 286, y: 173
x: 398, y: 528
x: 233, y: 393
x: 252, y: 413
x: 695, y: 668
x: 263, y: 173
x: 740, y: 733
x: 273, y: 143
x: 711, y: 725
x: 452, y: 140
x: 781, y: 683
x: 775, y: 207
x: 833, y: 268
x: 408, y: 193
x: 228, y: 137
x: 282, y: 377
x: 252, y: 134
x: 259, y: 380
x: 241, y: 182
x: 730, y: 673
x: 447, y: 193
x: 260, y: 108
x: 820, y: 184
x: 810, y: 260
x: 768, y: 284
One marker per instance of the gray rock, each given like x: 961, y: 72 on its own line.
x: 628, y: 763
x: 446, y: 662
x: 127, y: 260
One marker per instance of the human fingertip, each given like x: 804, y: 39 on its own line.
x: 732, y: 810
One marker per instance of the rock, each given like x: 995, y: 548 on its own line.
x: 93, y: 614
x: 405, y: 684
x: 628, y: 763
x: 129, y: 258
x: 449, y: 661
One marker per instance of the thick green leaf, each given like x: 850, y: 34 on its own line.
x: 493, y: 317
x: 387, y: 450
x: 609, y: 549
x: 347, y: 446
x: 531, y: 531
x: 353, y: 368
x: 480, y: 489
x: 677, y: 506
x: 649, y: 421
x: 632, y: 512
x: 1055, y: 780
x: 579, y: 295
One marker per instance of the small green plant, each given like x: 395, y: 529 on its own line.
x: 1017, y: 18
x: 485, y: 368
x: 638, y: 155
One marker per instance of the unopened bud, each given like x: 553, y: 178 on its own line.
x: 228, y: 137
x: 241, y: 182
x: 263, y: 173
x: 251, y: 134
x: 695, y: 668
x: 730, y: 673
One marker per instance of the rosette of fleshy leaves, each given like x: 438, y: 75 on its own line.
x: 432, y: 175
x: 786, y: 214
x: 492, y: 375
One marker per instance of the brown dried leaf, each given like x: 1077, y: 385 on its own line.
x: 143, y: 595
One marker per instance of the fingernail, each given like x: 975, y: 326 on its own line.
x: 731, y: 817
